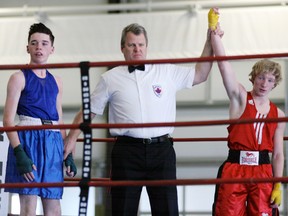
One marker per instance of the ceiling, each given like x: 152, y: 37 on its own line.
x: 28, y: 7
x: 62, y: 7
x: 39, y: 3
x: 45, y: 3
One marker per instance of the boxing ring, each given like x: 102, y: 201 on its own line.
x: 87, y: 181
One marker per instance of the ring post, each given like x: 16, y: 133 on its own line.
x: 87, y: 146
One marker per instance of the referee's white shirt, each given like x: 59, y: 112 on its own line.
x: 141, y: 97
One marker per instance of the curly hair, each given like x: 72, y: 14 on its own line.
x: 266, y: 66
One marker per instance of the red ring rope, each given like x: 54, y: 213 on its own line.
x: 108, y: 183
x: 156, y: 61
x: 105, y: 182
x: 137, y: 125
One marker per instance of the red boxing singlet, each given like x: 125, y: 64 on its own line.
x: 257, y: 136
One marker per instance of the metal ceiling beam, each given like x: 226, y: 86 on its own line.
x: 133, y: 7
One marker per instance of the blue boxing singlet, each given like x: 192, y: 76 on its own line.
x: 38, y: 98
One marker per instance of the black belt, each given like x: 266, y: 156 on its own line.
x: 234, y: 156
x: 151, y: 140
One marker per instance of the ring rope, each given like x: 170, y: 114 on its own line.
x: 138, y: 125
x: 86, y: 126
x: 110, y: 183
x: 198, y: 139
x: 155, y: 61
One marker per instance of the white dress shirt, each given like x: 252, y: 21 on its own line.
x: 141, y: 97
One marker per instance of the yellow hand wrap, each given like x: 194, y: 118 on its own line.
x: 276, y: 194
x: 212, y: 19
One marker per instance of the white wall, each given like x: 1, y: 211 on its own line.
x: 176, y: 34
x: 182, y: 35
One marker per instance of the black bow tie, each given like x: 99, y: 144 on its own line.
x: 132, y: 68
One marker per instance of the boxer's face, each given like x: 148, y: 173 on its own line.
x: 264, y: 83
x: 39, y: 48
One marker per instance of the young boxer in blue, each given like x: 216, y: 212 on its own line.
x: 35, y: 95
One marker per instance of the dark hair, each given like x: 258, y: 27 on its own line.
x: 135, y: 29
x: 40, y: 28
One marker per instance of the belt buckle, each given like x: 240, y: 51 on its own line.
x: 249, y: 158
x: 46, y: 122
x: 147, y: 141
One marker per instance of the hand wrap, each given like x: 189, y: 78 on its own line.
x: 69, y: 161
x: 23, y: 162
x: 276, y: 194
x: 212, y: 19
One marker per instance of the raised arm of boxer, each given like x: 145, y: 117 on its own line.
x: 235, y: 90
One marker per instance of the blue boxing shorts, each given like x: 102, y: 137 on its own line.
x: 45, y: 148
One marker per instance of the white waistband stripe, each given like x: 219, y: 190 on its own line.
x: 27, y: 120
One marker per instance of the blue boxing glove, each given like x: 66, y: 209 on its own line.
x: 23, y: 162
x: 69, y: 161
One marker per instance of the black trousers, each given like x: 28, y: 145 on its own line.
x: 138, y: 161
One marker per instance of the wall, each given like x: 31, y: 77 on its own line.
x: 174, y: 34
